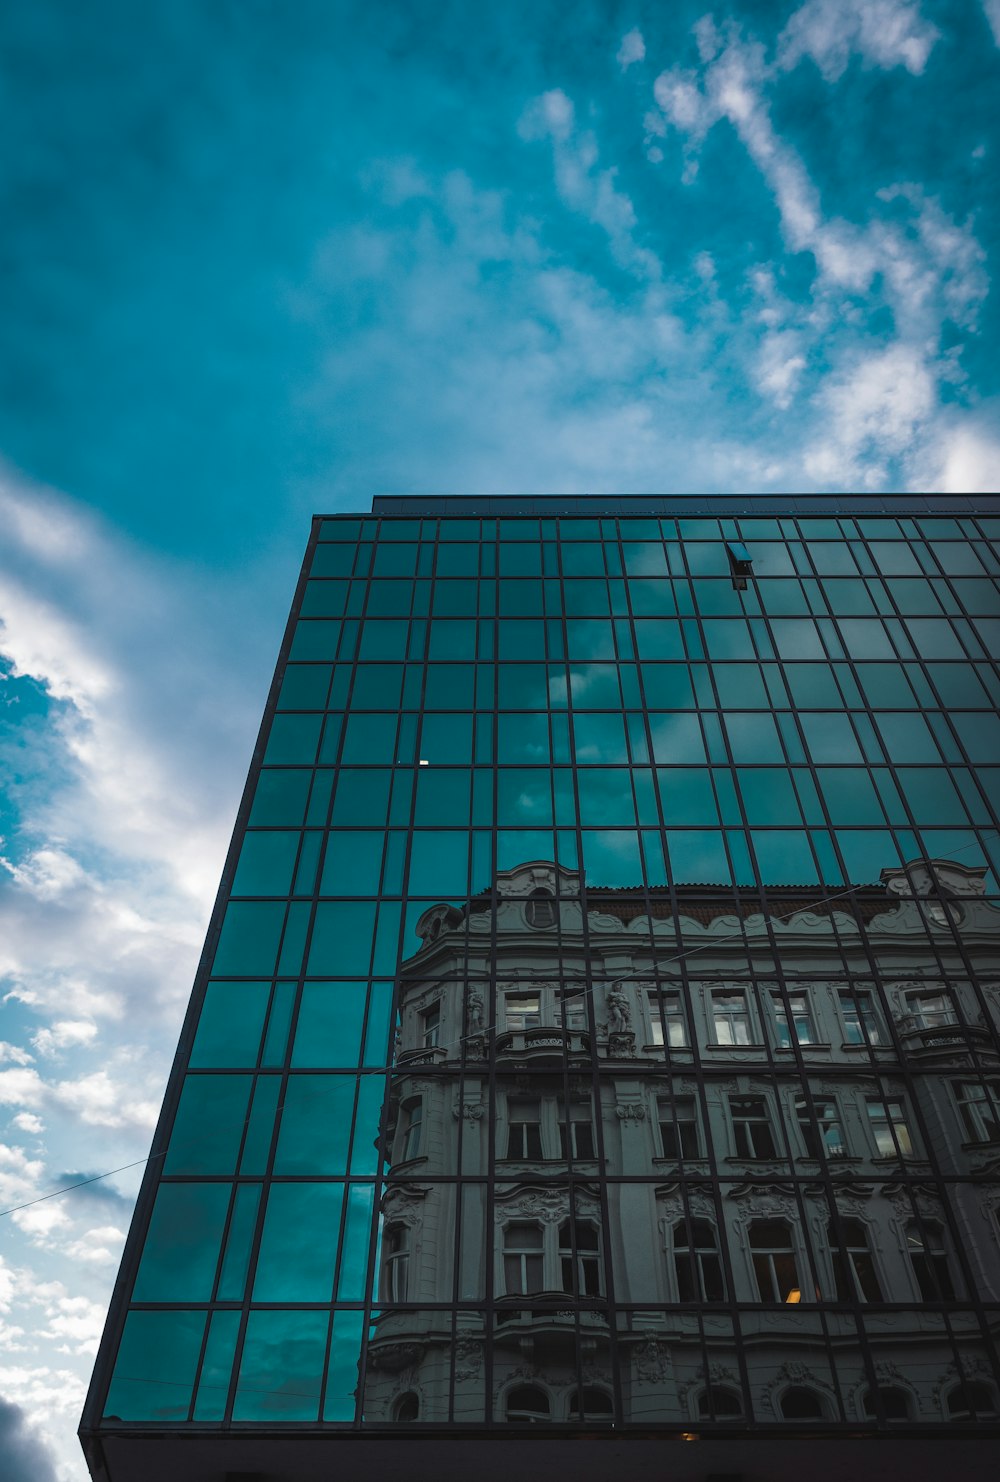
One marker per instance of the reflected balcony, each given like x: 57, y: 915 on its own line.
x: 543, y: 1045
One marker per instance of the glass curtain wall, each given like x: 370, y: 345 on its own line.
x: 600, y: 1021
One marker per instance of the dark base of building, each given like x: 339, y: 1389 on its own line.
x: 143, y: 1456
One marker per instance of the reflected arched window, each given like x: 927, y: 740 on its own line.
x: 719, y: 1403
x: 929, y: 1259
x: 580, y: 1263
x: 973, y: 1400
x: 397, y: 1263
x: 895, y: 1402
x: 696, y: 1262
x: 853, y: 1264
x: 540, y: 910
x: 408, y: 1407
x: 523, y: 1263
x: 527, y: 1405
x: 772, y: 1250
x: 800, y: 1403
x: 597, y: 1406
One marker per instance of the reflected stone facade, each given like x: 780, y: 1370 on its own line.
x: 771, y: 1225
x: 596, y: 1046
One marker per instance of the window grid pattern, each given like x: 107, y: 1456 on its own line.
x: 464, y: 696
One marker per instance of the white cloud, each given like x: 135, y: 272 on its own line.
x: 63, y: 1035
x: 885, y: 33
x: 872, y: 413
x: 992, y: 10
x: 15, y: 1053
x: 632, y: 49
x: 28, y: 1122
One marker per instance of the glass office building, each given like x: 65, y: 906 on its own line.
x: 597, y: 1031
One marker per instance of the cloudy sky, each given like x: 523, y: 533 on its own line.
x: 262, y: 259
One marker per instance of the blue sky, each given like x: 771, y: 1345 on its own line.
x: 264, y: 259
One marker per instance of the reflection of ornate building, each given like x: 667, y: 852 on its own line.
x: 707, y: 1166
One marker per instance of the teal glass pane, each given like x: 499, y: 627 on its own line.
x: 450, y: 686
x: 443, y: 797
x: 727, y: 638
x: 768, y: 796
x: 182, y: 1245
x: 677, y: 739
x: 979, y: 734
x: 248, y: 943
x: 305, y: 687
x: 850, y: 796
x: 332, y: 560
x: 276, y: 1038
x: 298, y: 1247
x: 324, y: 599
x: 830, y: 738
x: 611, y: 857
x: 517, y: 846
x: 784, y: 857
x: 155, y: 1368
x: 361, y: 798
x: 267, y: 860
x: 342, y: 1374
x: 281, y: 1371
x: 865, y: 638
x: 208, y: 1127
x: 796, y: 638
x: 370, y: 740
x: 329, y: 1026
x: 260, y: 1125
x: 230, y: 1025
x: 753, y: 738
x: 293, y: 739
x: 668, y: 687
x: 523, y: 738
x: 658, y: 638
x: 907, y: 738
x: 280, y: 797
x: 217, y: 1366
x: 886, y: 684
x: 341, y: 939
x: 389, y: 599
x: 294, y: 940
x: 377, y: 1047
x: 314, y: 638
x: 697, y: 857
x: 521, y: 638
x: 686, y: 796
x: 446, y: 739
x: 867, y: 852
x: 934, y: 638
x: 352, y: 1278
x: 740, y: 686
x: 523, y: 797
x: 384, y: 638
x: 439, y: 864
x: 452, y: 638
x: 605, y: 797
x: 599, y: 738
x: 315, y: 1125
x: 931, y: 795
x: 236, y: 1260
x: 353, y: 863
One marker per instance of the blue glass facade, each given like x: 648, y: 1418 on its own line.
x: 598, y: 1026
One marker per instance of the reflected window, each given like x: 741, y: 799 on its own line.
x: 752, y: 1133
x: 731, y: 1018
x: 979, y: 1104
x: 890, y: 1128
x: 931, y: 1010
x: 973, y: 1400
x: 925, y: 1245
x: 666, y: 1020
x: 894, y: 1402
x: 522, y: 1010
x: 820, y: 1128
x: 580, y: 1262
x: 719, y: 1403
x: 576, y: 1130
x: 523, y: 1263
x: 407, y: 1407
x: 800, y: 1403
x: 697, y: 1265
x: 413, y: 1116
x: 524, y: 1135
x: 540, y: 910
x: 854, y: 1271
x: 678, y: 1122
x: 397, y: 1263
x: 772, y: 1251
x: 861, y: 1023
x: 527, y: 1405
x: 792, y: 1021
x: 573, y: 1008
x: 596, y: 1405
x: 430, y: 1025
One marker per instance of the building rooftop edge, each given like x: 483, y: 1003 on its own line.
x: 671, y: 504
